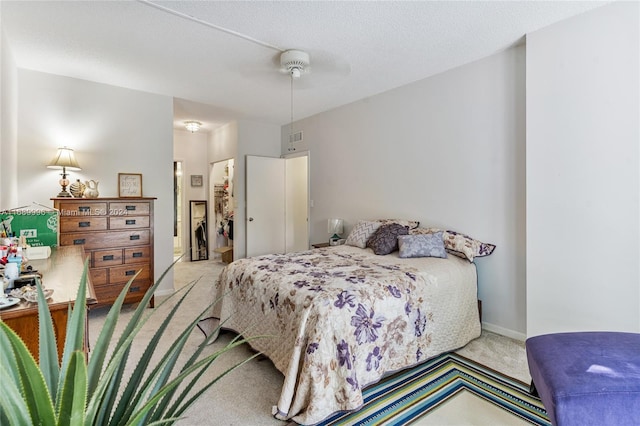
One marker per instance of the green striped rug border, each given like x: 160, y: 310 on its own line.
x: 407, y: 395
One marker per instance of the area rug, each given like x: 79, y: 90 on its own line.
x: 406, y: 396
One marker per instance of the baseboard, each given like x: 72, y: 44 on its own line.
x: 164, y: 292
x: 504, y: 331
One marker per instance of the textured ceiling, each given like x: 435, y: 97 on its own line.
x: 213, y: 66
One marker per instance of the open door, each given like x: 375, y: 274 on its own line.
x: 265, y: 205
x: 277, y: 205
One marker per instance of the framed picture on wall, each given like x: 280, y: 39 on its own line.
x: 129, y: 185
x: 196, y: 180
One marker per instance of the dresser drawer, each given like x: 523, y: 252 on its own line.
x: 128, y: 222
x: 137, y: 255
x: 107, y: 294
x: 98, y: 240
x: 99, y: 276
x: 129, y: 208
x: 80, y: 223
x: 82, y: 208
x: 106, y: 258
x: 122, y: 274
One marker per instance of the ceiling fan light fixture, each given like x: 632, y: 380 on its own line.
x: 295, y: 62
x: 192, y: 126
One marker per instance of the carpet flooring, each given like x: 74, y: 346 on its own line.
x: 246, y: 396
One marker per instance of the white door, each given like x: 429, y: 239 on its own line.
x: 265, y: 193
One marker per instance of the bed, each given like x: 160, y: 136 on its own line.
x: 340, y: 318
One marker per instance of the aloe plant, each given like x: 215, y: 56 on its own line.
x: 74, y: 392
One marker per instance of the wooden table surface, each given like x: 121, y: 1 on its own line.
x: 61, y: 272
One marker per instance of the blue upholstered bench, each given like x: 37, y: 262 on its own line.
x: 587, y: 378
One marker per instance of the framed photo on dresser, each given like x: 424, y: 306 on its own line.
x: 130, y: 185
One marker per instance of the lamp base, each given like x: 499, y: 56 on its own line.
x: 64, y: 194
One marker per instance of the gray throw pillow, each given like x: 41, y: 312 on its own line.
x: 427, y: 245
x: 385, y: 239
x: 361, y: 233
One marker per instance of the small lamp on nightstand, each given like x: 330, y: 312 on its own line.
x: 335, y: 227
x: 64, y: 160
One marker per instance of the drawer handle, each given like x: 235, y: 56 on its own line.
x: 134, y: 237
x: 137, y: 254
x: 129, y: 273
x: 107, y: 257
x: 78, y: 242
x: 134, y: 289
x: 130, y: 207
x: 130, y: 222
x: 84, y: 209
x: 84, y: 224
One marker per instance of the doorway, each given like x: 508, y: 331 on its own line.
x: 277, y: 196
x: 221, y: 187
x: 297, y: 202
x: 178, y: 249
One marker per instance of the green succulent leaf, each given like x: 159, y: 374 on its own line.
x: 95, y: 394
x: 33, y: 387
x: 74, y: 392
x: 11, y: 395
x: 48, y: 350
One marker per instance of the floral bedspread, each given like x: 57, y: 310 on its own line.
x: 342, y: 317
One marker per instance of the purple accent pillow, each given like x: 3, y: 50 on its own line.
x: 385, y: 239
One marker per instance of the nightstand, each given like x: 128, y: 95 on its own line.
x: 320, y: 245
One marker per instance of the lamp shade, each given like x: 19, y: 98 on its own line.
x: 64, y: 158
x: 335, y: 226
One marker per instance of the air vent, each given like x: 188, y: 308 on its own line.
x: 296, y: 137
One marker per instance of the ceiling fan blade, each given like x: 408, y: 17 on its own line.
x: 325, y: 69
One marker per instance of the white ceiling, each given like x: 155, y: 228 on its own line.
x: 357, y: 48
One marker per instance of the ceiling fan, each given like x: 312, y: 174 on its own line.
x: 295, y: 63
x: 310, y: 68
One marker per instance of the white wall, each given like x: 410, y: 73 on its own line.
x: 8, y: 125
x: 191, y: 149
x: 112, y: 130
x: 583, y: 191
x: 448, y: 151
x: 223, y: 143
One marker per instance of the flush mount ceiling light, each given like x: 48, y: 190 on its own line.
x: 192, y: 126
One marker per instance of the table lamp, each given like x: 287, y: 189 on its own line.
x: 64, y: 159
x: 335, y: 227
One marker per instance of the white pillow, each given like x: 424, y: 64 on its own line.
x: 361, y: 232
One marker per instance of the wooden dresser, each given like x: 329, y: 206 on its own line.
x: 117, y: 235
